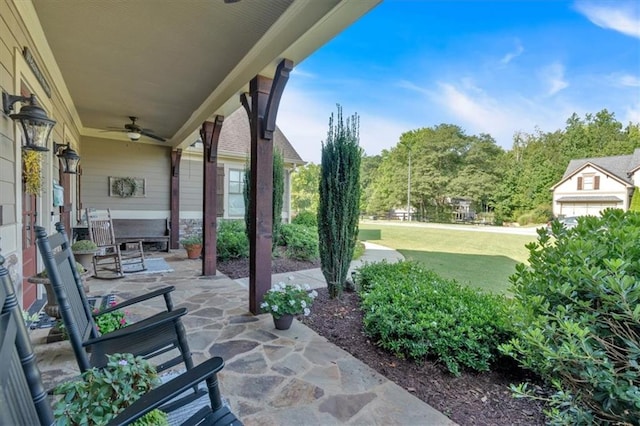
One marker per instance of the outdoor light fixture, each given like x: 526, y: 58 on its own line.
x: 134, y: 136
x: 36, y: 126
x: 68, y: 157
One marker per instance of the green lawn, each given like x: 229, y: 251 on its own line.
x: 481, y: 259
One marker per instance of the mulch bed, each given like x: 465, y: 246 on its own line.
x: 471, y: 399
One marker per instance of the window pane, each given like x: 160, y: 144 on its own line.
x: 236, y: 205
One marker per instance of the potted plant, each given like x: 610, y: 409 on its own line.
x: 83, y: 251
x: 193, y: 246
x: 102, y: 393
x: 284, y: 301
x: 51, y: 308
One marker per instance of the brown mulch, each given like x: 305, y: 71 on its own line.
x: 471, y: 399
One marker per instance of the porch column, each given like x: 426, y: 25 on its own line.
x: 265, y: 99
x: 210, y: 133
x: 174, y: 199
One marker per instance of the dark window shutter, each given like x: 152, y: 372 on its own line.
x: 579, y: 183
x: 220, y: 191
x: 596, y: 182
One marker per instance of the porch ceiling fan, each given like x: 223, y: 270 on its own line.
x: 134, y: 132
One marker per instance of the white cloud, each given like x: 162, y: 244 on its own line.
x: 632, y: 114
x: 552, y: 77
x: 512, y: 55
x: 620, y: 16
x: 501, y: 117
x: 625, y: 80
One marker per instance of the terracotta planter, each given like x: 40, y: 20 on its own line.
x: 284, y: 322
x: 193, y: 251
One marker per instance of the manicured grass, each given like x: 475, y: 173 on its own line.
x: 481, y: 259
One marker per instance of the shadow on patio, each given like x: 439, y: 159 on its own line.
x: 271, y: 377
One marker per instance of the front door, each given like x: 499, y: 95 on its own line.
x: 29, y: 255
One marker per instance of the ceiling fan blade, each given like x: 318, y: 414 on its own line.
x: 148, y: 134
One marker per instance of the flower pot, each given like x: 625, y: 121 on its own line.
x: 284, y: 322
x: 85, y: 258
x: 193, y: 251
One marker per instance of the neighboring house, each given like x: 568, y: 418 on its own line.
x: 590, y: 185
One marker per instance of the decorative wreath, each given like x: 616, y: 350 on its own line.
x: 124, y: 187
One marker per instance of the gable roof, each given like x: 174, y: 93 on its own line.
x: 235, y: 139
x: 619, y: 166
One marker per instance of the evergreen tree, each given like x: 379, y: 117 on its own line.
x: 339, y: 200
x: 278, y: 197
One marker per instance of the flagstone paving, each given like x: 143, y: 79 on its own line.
x: 271, y: 377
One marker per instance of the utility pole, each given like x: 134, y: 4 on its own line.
x: 409, y: 189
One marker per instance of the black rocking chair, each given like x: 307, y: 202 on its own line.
x: 23, y: 400
x: 150, y: 337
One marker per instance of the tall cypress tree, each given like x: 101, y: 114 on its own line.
x: 339, y: 200
x: 278, y: 196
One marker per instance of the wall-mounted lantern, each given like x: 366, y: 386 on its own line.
x: 36, y: 126
x: 68, y: 157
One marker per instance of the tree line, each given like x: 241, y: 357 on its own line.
x: 446, y: 164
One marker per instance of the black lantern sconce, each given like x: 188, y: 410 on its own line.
x: 68, y: 157
x: 36, y: 126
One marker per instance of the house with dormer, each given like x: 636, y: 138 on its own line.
x: 590, y: 185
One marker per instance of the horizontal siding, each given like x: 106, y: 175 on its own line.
x: 102, y: 158
x: 191, y: 185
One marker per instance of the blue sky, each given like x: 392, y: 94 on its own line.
x: 496, y: 67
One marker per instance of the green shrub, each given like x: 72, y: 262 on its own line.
x: 300, y: 242
x: 578, y: 318
x: 232, y: 240
x: 306, y: 218
x: 415, y: 313
x: 83, y: 245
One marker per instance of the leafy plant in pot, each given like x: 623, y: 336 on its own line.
x: 83, y: 251
x: 284, y: 301
x: 101, y: 393
x: 193, y: 246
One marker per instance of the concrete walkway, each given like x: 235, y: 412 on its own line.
x: 271, y: 377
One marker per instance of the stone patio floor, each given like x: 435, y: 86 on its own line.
x: 271, y: 377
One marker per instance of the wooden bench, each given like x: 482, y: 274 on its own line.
x: 145, y: 230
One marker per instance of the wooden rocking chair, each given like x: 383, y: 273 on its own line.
x: 24, y: 401
x: 110, y: 260
x: 149, y: 338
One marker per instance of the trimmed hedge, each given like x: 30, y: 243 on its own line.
x: 300, y: 241
x: 415, y: 313
x: 232, y: 240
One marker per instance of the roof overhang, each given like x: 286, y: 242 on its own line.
x: 173, y: 64
x: 589, y: 199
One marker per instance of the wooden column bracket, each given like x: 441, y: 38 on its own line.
x: 247, y: 107
x: 273, y: 103
x: 175, y: 162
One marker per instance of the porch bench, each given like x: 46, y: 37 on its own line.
x: 145, y: 230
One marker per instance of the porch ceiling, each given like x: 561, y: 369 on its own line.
x: 176, y: 63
